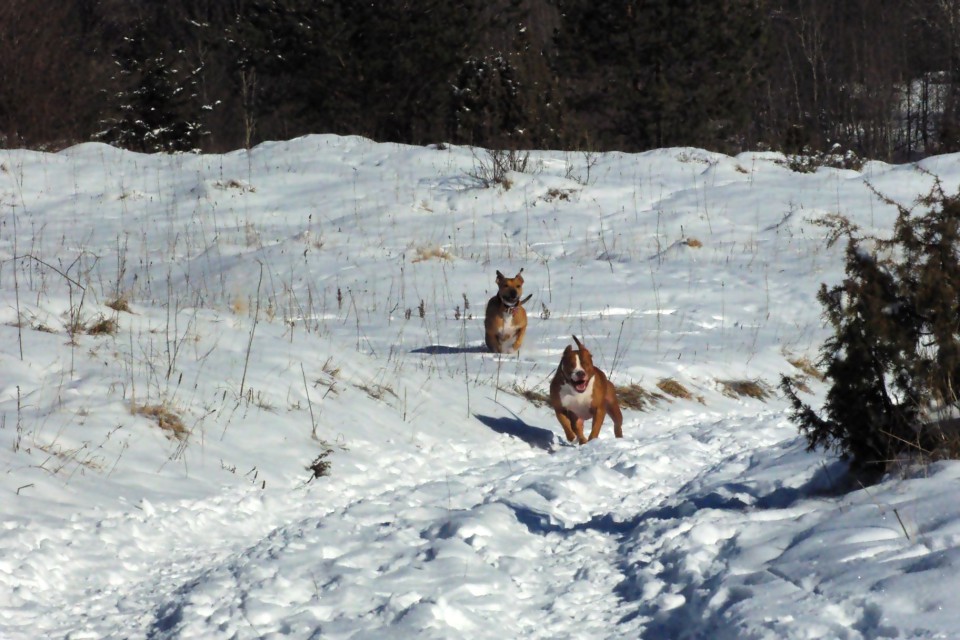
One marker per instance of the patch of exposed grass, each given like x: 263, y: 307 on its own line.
x: 431, y: 253
x: 377, y: 391
x: 756, y: 389
x: 634, y: 396
x: 101, y: 326
x: 165, y: 418
x: 320, y: 467
x: 120, y: 304
x: 800, y: 383
x: 233, y: 183
x: 805, y: 365
x: 239, y: 305
x: 81, y: 456
x: 534, y: 397
x: 673, y: 388
x: 75, y: 326
x: 808, y: 371
x: 558, y: 194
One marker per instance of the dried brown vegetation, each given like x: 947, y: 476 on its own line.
x: 755, y: 389
x: 536, y: 398
x: 165, y: 417
x: 634, y: 396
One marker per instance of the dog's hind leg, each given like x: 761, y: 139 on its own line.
x: 613, y: 408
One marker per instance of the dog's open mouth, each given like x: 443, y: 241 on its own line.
x: 580, y: 386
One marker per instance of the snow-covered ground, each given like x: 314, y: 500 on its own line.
x: 320, y: 301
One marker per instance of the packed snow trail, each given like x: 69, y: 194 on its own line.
x: 569, y: 544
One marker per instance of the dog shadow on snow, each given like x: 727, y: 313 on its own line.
x: 534, y: 436
x: 444, y: 350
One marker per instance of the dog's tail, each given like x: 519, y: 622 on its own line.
x: 524, y: 301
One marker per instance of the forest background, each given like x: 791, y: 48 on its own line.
x: 873, y: 78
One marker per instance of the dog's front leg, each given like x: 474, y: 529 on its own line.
x: 517, y: 340
x: 598, y: 416
x: 565, y: 423
x: 578, y: 429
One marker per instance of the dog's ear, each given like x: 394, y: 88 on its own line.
x: 579, y: 344
x: 566, y: 352
x: 500, y: 277
x: 518, y: 276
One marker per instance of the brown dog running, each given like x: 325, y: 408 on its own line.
x: 506, y: 321
x: 580, y: 391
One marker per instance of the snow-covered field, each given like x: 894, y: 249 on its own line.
x: 320, y: 301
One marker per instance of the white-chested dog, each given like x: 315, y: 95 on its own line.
x: 579, y: 391
x: 506, y: 320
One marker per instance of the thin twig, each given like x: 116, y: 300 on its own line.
x: 902, y: 526
x: 256, y: 316
x: 306, y: 390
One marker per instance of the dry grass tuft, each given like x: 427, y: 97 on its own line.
x: 330, y: 369
x: 377, y: 391
x: 673, y: 388
x: 120, y: 304
x: 240, y: 305
x: 80, y: 456
x: 558, y: 194
x: 534, y: 397
x: 320, y: 467
x: 165, y: 417
x: 233, y: 183
x: 693, y: 243
x: 633, y: 396
x: 809, y: 370
x: 800, y: 383
x: 102, y: 326
x: 805, y: 365
x: 431, y: 253
x: 755, y: 389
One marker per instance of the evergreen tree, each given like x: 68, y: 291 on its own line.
x: 485, y: 106
x: 409, y: 53
x: 156, y: 106
x: 293, y: 68
x: 697, y: 73
x: 893, y: 360
x: 378, y: 69
x: 664, y: 72
x: 506, y: 100
x: 594, y: 62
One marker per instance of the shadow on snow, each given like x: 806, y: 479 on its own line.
x: 443, y: 350
x: 533, y: 436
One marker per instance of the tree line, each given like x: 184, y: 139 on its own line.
x: 878, y: 78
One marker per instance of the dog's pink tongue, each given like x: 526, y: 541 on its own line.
x: 581, y: 386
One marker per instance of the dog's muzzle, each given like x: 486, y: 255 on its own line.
x: 510, y: 297
x: 579, y: 380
